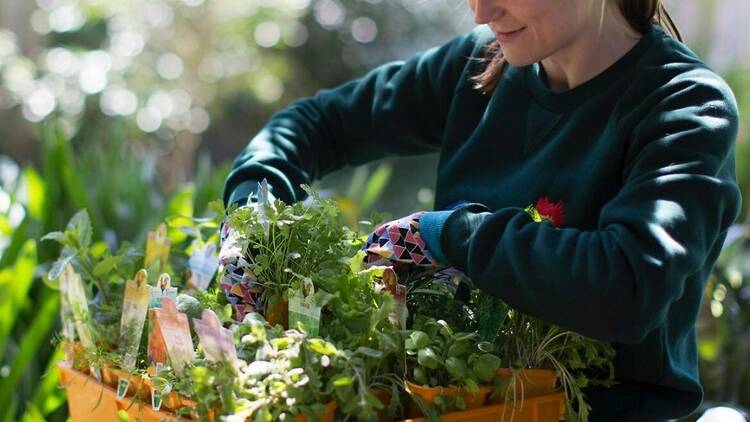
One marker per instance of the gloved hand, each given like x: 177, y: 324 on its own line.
x: 237, y: 278
x: 398, y: 243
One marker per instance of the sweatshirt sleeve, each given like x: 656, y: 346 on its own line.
x: 617, y: 282
x: 396, y: 109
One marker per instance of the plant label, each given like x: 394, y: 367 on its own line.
x: 155, y: 399
x: 174, y: 331
x: 264, y: 200
x: 122, y: 388
x: 303, y: 311
x: 70, y: 282
x: 216, y: 340
x: 162, y: 290
x: 157, y: 349
x: 400, y: 311
x: 157, y: 247
x: 67, y: 320
x: 203, y: 264
x: 96, y: 372
x: 134, y: 310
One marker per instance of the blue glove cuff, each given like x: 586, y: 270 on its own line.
x: 430, y: 227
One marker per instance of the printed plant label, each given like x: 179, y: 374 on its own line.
x: 216, y: 340
x: 303, y: 310
x: 134, y: 310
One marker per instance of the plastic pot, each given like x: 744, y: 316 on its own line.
x: 278, y: 313
x: 546, y: 408
x: 428, y: 394
x: 528, y: 383
x: 385, y: 397
x: 328, y: 416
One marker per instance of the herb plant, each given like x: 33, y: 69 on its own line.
x: 289, y: 242
x: 526, y: 342
x: 439, y: 357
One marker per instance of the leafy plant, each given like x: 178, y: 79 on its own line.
x: 526, y: 342
x: 439, y: 357
x: 290, y: 242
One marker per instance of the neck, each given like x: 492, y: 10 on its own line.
x: 593, y: 50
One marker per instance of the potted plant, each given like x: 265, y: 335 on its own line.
x: 543, y: 358
x: 279, y: 241
x: 445, y: 369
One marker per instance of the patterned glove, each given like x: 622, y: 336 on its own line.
x: 237, y: 279
x: 398, y: 243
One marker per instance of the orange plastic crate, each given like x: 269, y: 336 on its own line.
x: 142, y: 412
x: 88, y: 400
x: 92, y: 401
x: 546, y: 408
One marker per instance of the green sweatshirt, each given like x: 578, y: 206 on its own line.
x: 642, y: 157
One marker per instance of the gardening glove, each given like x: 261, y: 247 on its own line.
x: 398, y: 243
x: 240, y: 285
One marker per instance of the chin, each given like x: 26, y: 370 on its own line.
x: 519, y: 60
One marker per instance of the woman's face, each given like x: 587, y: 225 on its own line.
x: 543, y: 27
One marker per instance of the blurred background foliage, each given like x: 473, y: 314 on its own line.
x: 135, y: 109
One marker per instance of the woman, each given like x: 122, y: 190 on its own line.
x: 590, y: 109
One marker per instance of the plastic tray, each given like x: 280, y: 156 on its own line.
x: 547, y: 408
x: 92, y: 401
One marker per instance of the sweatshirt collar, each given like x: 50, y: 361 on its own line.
x: 536, y: 80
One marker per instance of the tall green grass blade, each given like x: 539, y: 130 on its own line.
x: 48, y: 396
x: 35, y: 334
x: 375, y: 186
x: 15, y: 283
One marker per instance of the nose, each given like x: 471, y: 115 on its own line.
x: 485, y: 11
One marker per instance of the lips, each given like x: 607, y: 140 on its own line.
x: 508, y: 32
x: 508, y: 36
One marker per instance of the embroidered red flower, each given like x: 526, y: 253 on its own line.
x: 544, y: 209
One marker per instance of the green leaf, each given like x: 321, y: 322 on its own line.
x: 35, y: 193
x: 427, y: 358
x: 58, y: 237
x: 80, y: 227
x: 387, y: 343
x: 343, y: 381
x: 458, y: 348
x: 32, y: 414
x: 48, y: 397
x: 321, y: 346
x: 35, y: 335
x: 375, y: 185
x: 419, y: 376
x: 409, y: 344
x: 181, y: 204
x: 471, y: 385
x: 420, y: 339
x: 356, y: 263
x: 445, y: 329
x: 66, y: 256
x: 15, y: 283
x: 369, y: 352
x: 106, y: 265
x: 457, y: 368
x: 486, y: 366
x: 460, y: 402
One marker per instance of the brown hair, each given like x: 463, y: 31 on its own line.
x: 639, y: 14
